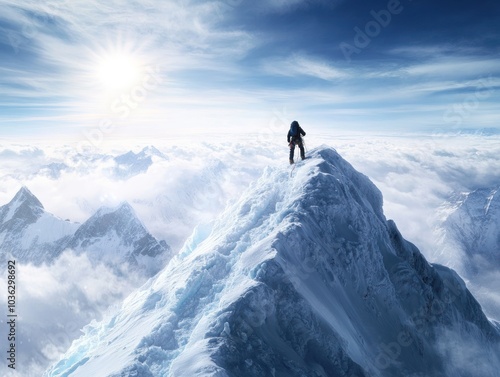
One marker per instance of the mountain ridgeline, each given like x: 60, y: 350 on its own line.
x: 114, y: 236
x: 304, y: 276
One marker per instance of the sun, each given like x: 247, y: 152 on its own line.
x: 118, y: 71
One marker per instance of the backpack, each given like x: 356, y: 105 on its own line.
x: 294, y: 128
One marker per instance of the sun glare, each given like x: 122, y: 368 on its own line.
x: 120, y: 71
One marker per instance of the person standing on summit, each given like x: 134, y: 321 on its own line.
x: 293, y: 138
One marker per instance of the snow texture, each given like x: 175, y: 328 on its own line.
x: 301, y: 277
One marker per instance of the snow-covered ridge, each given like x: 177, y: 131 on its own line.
x: 302, y: 277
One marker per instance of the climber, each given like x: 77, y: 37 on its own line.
x: 293, y: 138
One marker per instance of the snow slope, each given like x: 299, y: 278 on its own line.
x: 302, y: 277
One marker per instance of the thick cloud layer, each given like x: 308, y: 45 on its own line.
x: 188, y: 183
x: 416, y: 175
x: 55, y: 302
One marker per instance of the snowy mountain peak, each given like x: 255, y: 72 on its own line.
x: 130, y: 163
x: 30, y: 233
x: 152, y: 151
x: 24, y: 206
x: 302, y: 277
x: 123, y: 208
x: 120, y: 219
x: 116, y: 235
x: 144, y: 155
x: 25, y: 195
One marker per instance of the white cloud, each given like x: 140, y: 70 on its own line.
x: 67, y: 42
x: 415, y: 174
x: 467, y: 355
x: 485, y: 290
x: 456, y: 67
x: 193, y: 185
x: 284, y: 6
x: 54, y: 302
x: 300, y: 64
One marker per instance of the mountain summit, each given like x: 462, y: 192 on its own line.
x: 24, y: 207
x: 30, y: 233
x: 116, y: 236
x: 304, y: 276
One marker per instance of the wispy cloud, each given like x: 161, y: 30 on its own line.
x: 67, y: 42
x: 466, y: 355
x: 284, y: 6
x: 224, y: 59
x: 458, y: 68
x: 303, y: 65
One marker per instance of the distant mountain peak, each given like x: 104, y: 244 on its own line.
x: 24, y: 195
x: 117, y: 234
x: 152, y: 151
x: 125, y: 206
x: 130, y: 163
x: 473, y: 220
x: 30, y: 233
x: 122, y: 208
x: 24, y: 207
x: 113, y: 235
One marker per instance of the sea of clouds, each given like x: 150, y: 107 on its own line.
x: 191, y: 184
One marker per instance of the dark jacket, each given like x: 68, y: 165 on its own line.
x: 301, y: 132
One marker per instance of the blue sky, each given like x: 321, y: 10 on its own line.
x: 152, y: 68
